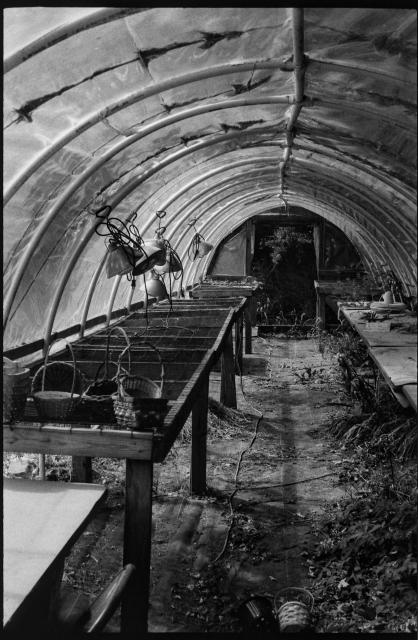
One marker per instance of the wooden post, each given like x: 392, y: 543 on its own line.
x: 320, y: 309
x: 228, y: 392
x: 81, y: 469
x: 137, y: 545
x: 317, y: 240
x: 199, y: 438
x: 248, y: 331
x: 249, y: 227
x: 238, y: 345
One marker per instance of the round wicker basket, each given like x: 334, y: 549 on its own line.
x: 56, y: 403
x: 97, y: 399
x: 292, y: 607
x: 138, y: 403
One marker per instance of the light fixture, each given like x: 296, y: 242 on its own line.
x: 128, y: 253
x: 121, y: 259
x: 153, y: 255
x: 154, y: 287
x: 172, y: 263
x: 198, y: 247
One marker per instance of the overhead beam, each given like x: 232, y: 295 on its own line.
x: 65, y: 31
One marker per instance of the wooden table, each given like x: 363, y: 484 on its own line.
x: 220, y: 287
x: 332, y: 292
x: 394, y: 352
x: 187, y: 391
x: 42, y: 521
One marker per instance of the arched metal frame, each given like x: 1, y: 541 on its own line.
x: 324, y: 199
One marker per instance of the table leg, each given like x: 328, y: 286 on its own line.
x: 238, y: 345
x: 199, y: 438
x: 248, y: 336
x: 320, y: 310
x: 137, y: 544
x: 228, y: 390
x: 81, y: 469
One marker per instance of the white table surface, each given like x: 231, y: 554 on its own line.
x: 41, y: 522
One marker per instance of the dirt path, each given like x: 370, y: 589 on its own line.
x: 284, y: 477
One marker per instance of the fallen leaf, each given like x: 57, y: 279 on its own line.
x: 343, y: 584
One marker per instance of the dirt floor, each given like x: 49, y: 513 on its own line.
x: 271, y: 468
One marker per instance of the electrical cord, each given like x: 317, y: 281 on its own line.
x: 242, y: 453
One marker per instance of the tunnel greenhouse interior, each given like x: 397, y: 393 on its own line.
x: 209, y: 319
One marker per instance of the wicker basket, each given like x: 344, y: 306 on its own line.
x: 293, y: 607
x: 55, y: 404
x: 138, y: 403
x: 16, y: 386
x: 97, y: 400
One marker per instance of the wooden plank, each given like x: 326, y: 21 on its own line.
x: 152, y: 370
x: 200, y: 321
x: 161, y: 342
x: 184, y: 313
x: 398, y: 364
x: 199, y: 439
x: 138, y: 354
x: 221, y: 292
x: 228, y: 395
x: 137, y: 545
x: 73, y: 441
x: 410, y: 392
x: 376, y: 338
x: 42, y: 520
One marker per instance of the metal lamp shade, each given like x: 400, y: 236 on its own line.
x: 172, y: 264
x: 156, y: 289
x: 204, y: 249
x: 153, y: 255
x: 121, y: 260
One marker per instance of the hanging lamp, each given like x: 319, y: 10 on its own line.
x: 128, y: 253
x: 154, y: 286
x: 198, y: 247
x: 121, y: 259
x: 172, y: 262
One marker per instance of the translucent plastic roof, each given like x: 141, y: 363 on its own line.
x: 205, y: 113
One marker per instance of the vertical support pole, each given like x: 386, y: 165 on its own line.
x: 320, y: 309
x: 317, y: 240
x: 228, y: 395
x: 41, y: 466
x: 81, y: 469
x: 248, y: 328
x: 238, y: 344
x: 137, y: 545
x: 199, y: 440
x: 248, y: 246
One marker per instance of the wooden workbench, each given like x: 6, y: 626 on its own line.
x: 218, y: 287
x: 331, y: 292
x: 394, y: 352
x: 186, y: 323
